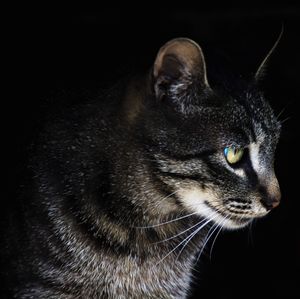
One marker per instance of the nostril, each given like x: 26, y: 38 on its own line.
x: 270, y: 202
x: 270, y: 196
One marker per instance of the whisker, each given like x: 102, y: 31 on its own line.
x: 281, y: 112
x: 284, y: 109
x: 250, y: 236
x: 181, y: 232
x: 191, y: 237
x: 207, y: 238
x: 195, y: 232
x: 176, y: 191
x: 173, y: 220
x: 213, y: 243
x: 286, y: 119
x: 198, y: 229
x: 167, y: 222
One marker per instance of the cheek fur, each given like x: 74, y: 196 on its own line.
x: 206, y: 204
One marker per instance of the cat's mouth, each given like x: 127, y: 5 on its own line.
x: 234, y: 218
x: 231, y: 213
x: 240, y: 221
x: 229, y: 219
x: 238, y: 218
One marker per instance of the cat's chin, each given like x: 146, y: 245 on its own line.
x: 231, y: 221
x: 237, y: 223
x: 228, y: 220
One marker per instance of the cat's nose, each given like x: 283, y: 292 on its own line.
x: 272, y: 195
x: 270, y: 202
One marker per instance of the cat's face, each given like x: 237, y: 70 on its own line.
x: 214, y: 152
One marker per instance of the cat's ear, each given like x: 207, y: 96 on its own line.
x: 179, y: 64
x: 259, y: 75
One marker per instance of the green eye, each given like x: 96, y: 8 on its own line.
x: 233, y: 154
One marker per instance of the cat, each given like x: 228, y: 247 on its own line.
x: 126, y: 188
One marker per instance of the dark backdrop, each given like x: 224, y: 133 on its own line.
x: 56, y: 55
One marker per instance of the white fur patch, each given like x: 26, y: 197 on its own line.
x: 254, y: 157
x: 240, y: 172
x: 194, y: 200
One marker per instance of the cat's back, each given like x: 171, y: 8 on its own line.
x: 69, y: 152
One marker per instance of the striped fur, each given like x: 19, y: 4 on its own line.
x: 127, y: 188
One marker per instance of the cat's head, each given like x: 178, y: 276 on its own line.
x: 213, y: 150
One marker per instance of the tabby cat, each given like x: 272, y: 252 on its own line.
x: 128, y: 187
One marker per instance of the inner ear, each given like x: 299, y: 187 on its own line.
x: 171, y: 67
x: 179, y: 63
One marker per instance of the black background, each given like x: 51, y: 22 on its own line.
x: 58, y: 54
